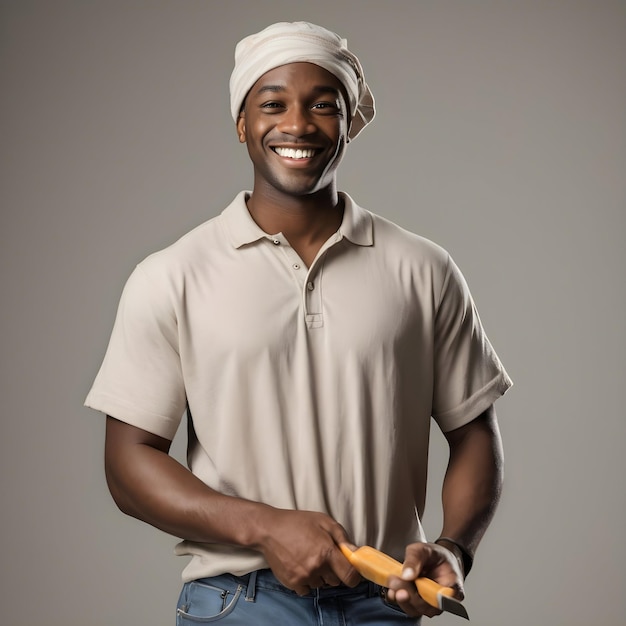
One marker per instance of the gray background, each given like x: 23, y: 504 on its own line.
x: 500, y: 135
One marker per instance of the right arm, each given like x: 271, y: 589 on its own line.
x: 301, y: 547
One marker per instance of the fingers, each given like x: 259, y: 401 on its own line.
x: 302, y: 549
x: 341, y: 567
x: 335, y: 568
x: 432, y: 561
x: 325, y: 576
x: 302, y: 590
x: 405, y: 595
x: 344, y: 570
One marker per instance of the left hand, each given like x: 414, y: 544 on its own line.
x: 430, y: 560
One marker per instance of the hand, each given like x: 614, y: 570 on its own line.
x: 301, y: 548
x: 430, y: 560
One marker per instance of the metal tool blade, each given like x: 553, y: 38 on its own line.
x: 452, y: 606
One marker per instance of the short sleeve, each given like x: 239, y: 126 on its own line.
x: 468, y: 376
x: 140, y: 381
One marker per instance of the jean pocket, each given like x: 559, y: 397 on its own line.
x: 201, y: 603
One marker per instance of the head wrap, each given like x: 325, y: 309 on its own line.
x: 293, y: 42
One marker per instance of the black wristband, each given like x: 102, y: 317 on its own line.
x: 468, y: 559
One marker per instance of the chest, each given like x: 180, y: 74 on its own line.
x: 265, y: 301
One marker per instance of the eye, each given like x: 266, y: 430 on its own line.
x: 272, y: 106
x: 327, y: 107
x: 324, y: 105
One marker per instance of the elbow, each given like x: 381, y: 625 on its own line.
x: 119, y: 494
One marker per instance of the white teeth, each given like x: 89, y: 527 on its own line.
x: 290, y: 153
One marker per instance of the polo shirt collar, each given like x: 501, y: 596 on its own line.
x: 356, y: 225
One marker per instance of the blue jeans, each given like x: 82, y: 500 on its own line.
x: 258, y: 599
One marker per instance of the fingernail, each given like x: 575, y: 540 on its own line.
x: 408, y: 573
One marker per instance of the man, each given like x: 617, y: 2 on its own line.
x: 310, y: 342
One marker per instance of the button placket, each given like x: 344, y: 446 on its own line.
x: 292, y: 260
x: 297, y: 267
x: 309, y: 280
x: 312, y: 287
x: 312, y: 295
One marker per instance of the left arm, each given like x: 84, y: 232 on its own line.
x: 471, y: 491
x: 473, y: 481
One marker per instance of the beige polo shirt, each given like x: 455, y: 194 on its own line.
x: 309, y: 388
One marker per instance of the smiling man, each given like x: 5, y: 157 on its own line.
x: 310, y: 342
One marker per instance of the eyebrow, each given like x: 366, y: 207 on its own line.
x: 281, y: 88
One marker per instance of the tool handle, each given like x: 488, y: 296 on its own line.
x: 429, y: 590
x: 377, y: 567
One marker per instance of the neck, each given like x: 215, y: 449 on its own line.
x: 303, y: 219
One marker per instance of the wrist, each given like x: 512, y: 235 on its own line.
x: 249, y: 524
x: 256, y: 525
x: 463, y: 556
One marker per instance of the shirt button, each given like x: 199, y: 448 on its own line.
x: 276, y: 242
x: 310, y: 286
x: 296, y: 266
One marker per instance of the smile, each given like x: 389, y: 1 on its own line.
x: 292, y: 153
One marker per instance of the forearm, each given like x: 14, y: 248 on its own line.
x: 148, y: 484
x: 473, y: 480
x: 301, y: 547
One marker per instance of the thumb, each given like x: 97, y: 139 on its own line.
x: 415, y: 559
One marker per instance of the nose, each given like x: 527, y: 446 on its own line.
x: 296, y: 121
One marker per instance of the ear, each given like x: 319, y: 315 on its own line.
x: 241, y: 127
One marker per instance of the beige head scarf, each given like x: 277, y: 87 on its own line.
x: 293, y: 42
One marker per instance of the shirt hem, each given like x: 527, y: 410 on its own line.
x: 152, y: 422
x: 475, y: 405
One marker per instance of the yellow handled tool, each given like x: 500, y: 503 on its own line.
x: 377, y: 567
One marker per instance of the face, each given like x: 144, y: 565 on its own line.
x: 295, y: 125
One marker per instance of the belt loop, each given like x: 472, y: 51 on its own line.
x: 251, y: 590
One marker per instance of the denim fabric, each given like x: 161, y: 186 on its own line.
x: 258, y: 599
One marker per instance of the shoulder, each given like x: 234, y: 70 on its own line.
x: 395, y: 241
x: 368, y: 227
x: 203, y: 245
x: 402, y: 236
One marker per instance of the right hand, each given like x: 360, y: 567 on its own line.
x: 301, y: 548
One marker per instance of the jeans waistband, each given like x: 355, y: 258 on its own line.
x: 265, y: 579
